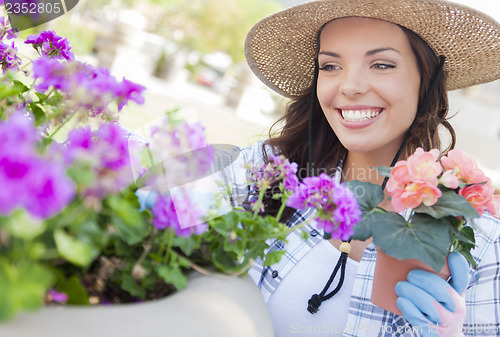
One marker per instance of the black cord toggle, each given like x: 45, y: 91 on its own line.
x: 315, y: 302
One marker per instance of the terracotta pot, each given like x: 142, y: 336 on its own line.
x: 388, y: 272
x: 222, y: 307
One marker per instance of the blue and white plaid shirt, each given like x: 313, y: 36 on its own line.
x: 364, y: 318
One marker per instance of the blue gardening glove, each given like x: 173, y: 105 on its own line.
x: 429, y: 302
x: 146, y: 198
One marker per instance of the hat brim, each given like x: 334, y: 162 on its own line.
x: 281, y: 48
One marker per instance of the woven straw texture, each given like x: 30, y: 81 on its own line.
x: 281, y: 48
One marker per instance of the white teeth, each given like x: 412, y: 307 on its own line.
x: 359, y: 115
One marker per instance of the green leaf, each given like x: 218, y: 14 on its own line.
x: 425, y: 238
x: 7, y: 91
x: 369, y: 195
x: 273, y: 257
x: 128, y: 283
x: 38, y: 113
x: 235, y: 244
x: 465, y: 237
x: 81, y: 173
x: 172, y: 275
x: 187, y: 244
x: 20, y: 224
x: 127, y: 220
x: 89, y: 232
x: 384, y: 171
x: 75, y: 251
x: 23, y: 287
x: 224, y: 261
x: 76, y: 292
x: 364, y: 229
x: 41, y: 97
x: 55, y: 98
x: 19, y: 86
x: 468, y: 256
x: 449, y: 204
x: 223, y: 224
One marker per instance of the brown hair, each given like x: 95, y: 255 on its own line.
x: 292, y: 140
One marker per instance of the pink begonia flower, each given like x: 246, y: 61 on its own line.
x: 464, y: 167
x: 412, y: 195
x: 449, y: 179
x: 400, y: 174
x: 493, y: 206
x: 423, y: 166
x: 414, y: 181
x: 480, y: 196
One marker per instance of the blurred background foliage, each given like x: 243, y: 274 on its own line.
x: 203, y: 25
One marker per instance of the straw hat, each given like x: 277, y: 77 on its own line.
x: 281, y: 48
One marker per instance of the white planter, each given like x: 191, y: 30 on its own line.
x: 208, y: 307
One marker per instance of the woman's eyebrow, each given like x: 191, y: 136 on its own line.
x: 368, y: 53
x: 329, y: 53
x: 379, y: 50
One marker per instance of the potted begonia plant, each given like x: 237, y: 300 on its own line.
x: 441, y: 198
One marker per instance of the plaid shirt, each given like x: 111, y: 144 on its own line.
x: 364, y: 318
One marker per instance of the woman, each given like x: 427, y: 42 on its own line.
x: 368, y: 82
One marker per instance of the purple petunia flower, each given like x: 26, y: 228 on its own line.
x: 105, y: 153
x: 52, y: 73
x: 8, y: 57
x: 127, y: 90
x: 169, y: 213
x: 113, y: 145
x: 14, y: 169
x: 49, y: 189
x: 88, y: 88
x: 49, y: 44
x: 311, y: 192
x: 5, y: 31
x: 28, y: 180
x: 276, y: 169
x: 338, y: 209
x: 57, y: 296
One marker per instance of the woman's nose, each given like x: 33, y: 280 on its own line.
x: 353, y: 83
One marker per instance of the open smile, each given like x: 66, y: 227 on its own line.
x: 359, y: 115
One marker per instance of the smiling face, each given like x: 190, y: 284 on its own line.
x: 368, y: 84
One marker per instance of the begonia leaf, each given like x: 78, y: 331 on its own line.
x: 424, y: 238
x: 450, y: 203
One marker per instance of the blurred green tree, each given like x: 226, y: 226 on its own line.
x: 212, y: 25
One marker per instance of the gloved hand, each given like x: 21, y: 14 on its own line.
x: 146, y: 198
x: 428, y: 301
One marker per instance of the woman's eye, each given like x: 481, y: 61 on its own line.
x: 329, y: 67
x: 383, y: 66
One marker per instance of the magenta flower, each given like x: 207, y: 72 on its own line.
x: 126, y: 91
x: 49, y: 189
x: 14, y: 169
x: 276, y: 169
x: 57, y: 296
x: 52, y: 73
x: 8, y: 57
x: 312, y: 192
x: 338, y: 209
x: 5, y: 31
x: 28, y: 180
x: 105, y: 151
x: 88, y: 88
x: 49, y: 44
x: 113, y: 145
x: 169, y: 213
